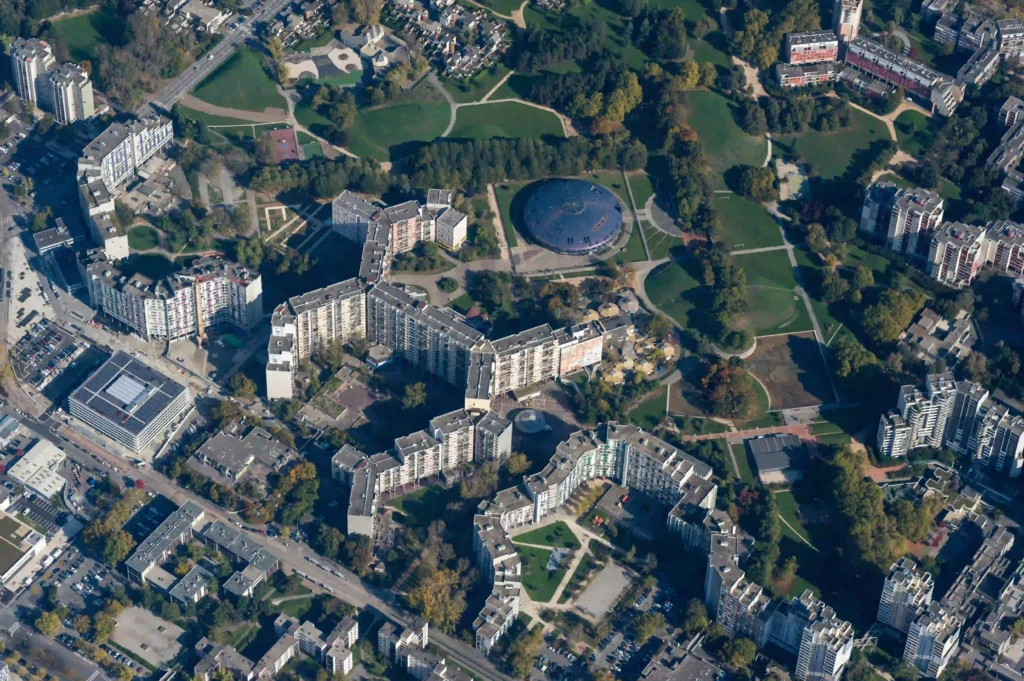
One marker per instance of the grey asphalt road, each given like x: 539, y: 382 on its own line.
x: 173, y: 91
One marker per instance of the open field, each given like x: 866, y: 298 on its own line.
x: 771, y: 269
x: 423, y: 506
x: 557, y: 535
x: 674, y: 291
x: 538, y: 581
x: 642, y: 186
x: 792, y: 370
x: 381, y: 133
x: 946, y: 189
x: 831, y: 153
x: 773, y: 311
x: 212, y: 119
x: 739, y: 452
x: 725, y: 143
x: 241, y: 83
x: 84, y: 33
x: 651, y: 412
x: 143, y: 238
x: 473, y: 89
x: 504, y: 119
x: 746, y: 223
x: 634, y: 250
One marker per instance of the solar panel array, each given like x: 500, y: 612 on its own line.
x: 104, y: 393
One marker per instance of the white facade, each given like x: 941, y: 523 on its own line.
x: 67, y: 92
x: 30, y: 59
x: 932, y: 640
x: 906, y: 594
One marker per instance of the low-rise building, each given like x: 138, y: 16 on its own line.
x: 799, y: 75
x: 176, y: 529
x: 37, y: 469
x: 811, y: 47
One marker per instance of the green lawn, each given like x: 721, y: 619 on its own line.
x: 143, y: 238
x: 915, y: 132
x: 698, y: 425
x: 505, y: 193
x: 538, y: 581
x: 946, y: 189
x: 643, y: 189
x: 380, y: 132
x: 86, y: 32
x: 296, y: 607
x: 316, y: 41
x: 634, y: 250
x: 771, y: 268
x: 745, y: 223
x: 241, y: 83
x: 504, y: 119
x: 501, y: 6
x: 659, y: 243
x: 613, y: 181
x: 423, y: 506
x: 788, y: 511
x: 211, y: 119
x: 830, y: 153
x: 557, y: 536
x: 775, y: 311
x: 674, y: 291
x: 651, y: 412
x: 739, y: 452
x: 462, y: 303
x: 475, y: 88
x: 725, y: 143
x: 849, y: 420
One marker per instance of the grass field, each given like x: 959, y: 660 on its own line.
x: 674, y: 291
x: 788, y: 512
x: 634, y: 250
x: 316, y: 41
x: 643, y: 188
x: 946, y: 189
x: 651, y: 412
x: 659, y: 243
x: 423, y: 506
x: 241, y: 83
x: 830, y: 153
x: 380, y: 133
x: 915, y: 132
x: 504, y: 119
x: 771, y: 269
x: 745, y: 223
x: 504, y: 194
x: 296, y: 608
x: 775, y: 311
x: 539, y: 582
x: 86, y: 32
x: 143, y: 238
x: 557, y: 536
x: 473, y: 89
x: 613, y: 181
x: 725, y: 143
x: 739, y: 453
x: 212, y: 119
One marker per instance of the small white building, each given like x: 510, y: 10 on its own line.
x: 37, y: 469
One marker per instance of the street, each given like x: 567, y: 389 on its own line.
x: 169, y: 95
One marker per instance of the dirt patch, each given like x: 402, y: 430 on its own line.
x: 266, y: 116
x: 791, y: 369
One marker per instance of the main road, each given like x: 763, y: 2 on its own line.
x: 292, y: 555
x: 180, y: 86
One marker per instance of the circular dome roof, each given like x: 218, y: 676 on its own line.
x: 530, y: 422
x: 572, y: 216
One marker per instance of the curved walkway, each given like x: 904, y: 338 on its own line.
x: 516, y: 17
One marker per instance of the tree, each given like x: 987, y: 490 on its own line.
x: 708, y: 74
x: 863, y: 278
x: 815, y: 238
x: 447, y: 284
x: 758, y: 183
x: 647, y: 625
x: 367, y: 11
x: 704, y: 26
x: 47, y: 624
x: 695, y: 619
x: 415, y: 396
x: 275, y: 47
x: 689, y: 75
x: 439, y: 598
x: 82, y: 624
x: 242, y: 386
x: 739, y: 652
x: 517, y: 464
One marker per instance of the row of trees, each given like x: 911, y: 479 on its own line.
x: 104, y: 537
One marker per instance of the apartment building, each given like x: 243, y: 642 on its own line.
x: 846, y: 18
x: 932, y: 641
x: 437, y: 340
x: 957, y: 415
x: 811, y: 47
x: 108, y: 162
x: 799, y: 75
x: 493, y: 438
x: 893, y: 435
x: 525, y: 359
x: 30, y: 59
x: 404, y: 225
x: 957, y: 253
x: 906, y: 595
x: 1010, y: 37
x: 876, y: 211
x: 825, y: 649
x: 456, y: 434
x: 933, y: 87
x: 66, y: 91
x: 210, y: 293
x: 916, y: 214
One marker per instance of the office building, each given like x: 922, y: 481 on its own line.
x: 210, y: 293
x: 932, y: 640
x: 67, y: 92
x: 935, y: 89
x: 906, y: 595
x: 30, y: 60
x: 191, y: 588
x: 811, y: 47
x: 129, y: 402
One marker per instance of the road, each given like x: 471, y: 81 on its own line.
x: 293, y: 555
x: 169, y: 95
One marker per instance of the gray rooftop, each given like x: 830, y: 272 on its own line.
x: 236, y: 544
x: 166, y: 535
x: 189, y: 585
x: 323, y: 296
x: 775, y: 452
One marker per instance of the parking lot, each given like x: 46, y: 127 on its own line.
x: 40, y: 512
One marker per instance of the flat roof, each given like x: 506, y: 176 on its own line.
x: 189, y: 585
x: 775, y: 452
x: 164, y: 536
x: 239, y: 545
x: 127, y: 393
